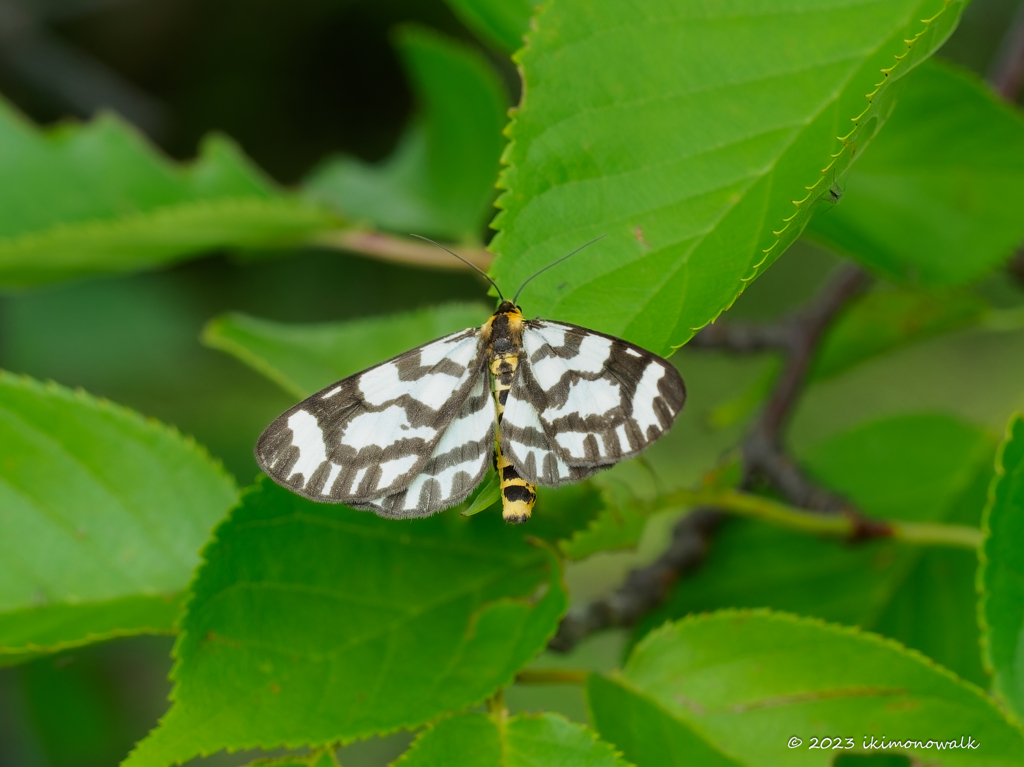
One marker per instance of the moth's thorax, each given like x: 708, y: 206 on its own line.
x: 504, y: 331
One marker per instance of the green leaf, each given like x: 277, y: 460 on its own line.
x: 103, y: 514
x: 1001, y: 576
x: 488, y: 494
x: 918, y: 468
x: 502, y: 23
x: 733, y: 687
x: 890, y: 319
x: 95, y: 198
x: 440, y: 179
x: 619, y: 526
x: 305, y: 358
x: 935, y: 199
x: 311, y: 624
x: 675, y: 130
x: 478, y: 740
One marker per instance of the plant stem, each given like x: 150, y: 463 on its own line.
x: 552, y: 676
x: 850, y: 526
x: 400, y: 249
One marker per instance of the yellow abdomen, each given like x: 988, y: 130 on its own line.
x: 517, y: 495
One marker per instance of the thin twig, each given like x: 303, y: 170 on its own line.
x: 798, y: 338
x: 552, y: 676
x: 807, y: 329
x: 843, y: 526
x: 742, y: 337
x: 401, y: 249
x: 763, y: 451
x: 644, y: 588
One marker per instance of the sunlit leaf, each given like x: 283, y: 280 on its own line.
x: 753, y: 688
x: 95, y: 198
x: 479, y: 740
x: 103, y: 514
x: 685, y: 136
x: 935, y: 199
x: 313, y: 623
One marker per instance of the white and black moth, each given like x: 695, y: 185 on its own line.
x: 546, y: 402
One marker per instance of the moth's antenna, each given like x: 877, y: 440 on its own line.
x: 555, y: 263
x: 463, y: 260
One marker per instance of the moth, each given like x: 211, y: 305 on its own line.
x: 545, y: 403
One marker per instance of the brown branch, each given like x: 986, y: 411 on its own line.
x: 762, y: 450
x: 401, y: 250
x: 644, y: 588
x: 741, y: 337
x: 1007, y: 71
x: 798, y: 338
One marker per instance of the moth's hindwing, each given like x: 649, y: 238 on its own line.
x: 582, y: 401
x: 457, y: 463
x: 405, y: 438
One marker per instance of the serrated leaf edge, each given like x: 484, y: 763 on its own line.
x: 409, y: 725
x: 78, y: 394
x: 995, y: 489
x: 50, y: 389
x: 815, y: 190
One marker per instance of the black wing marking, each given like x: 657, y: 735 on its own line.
x: 370, y: 435
x: 582, y: 401
x: 456, y: 466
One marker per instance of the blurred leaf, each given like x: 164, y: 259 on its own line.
x: 889, y: 319
x: 743, y: 406
x: 315, y: 759
x: 440, y: 179
x: 921, y: 468
x: 732, y: 687
x: 305, y: 358
x: 1001, y: 577
x: 502, y: 23
x: 935, y: 200
x: 103, y: 514
x: 675, y: 130
x: 95, y: 198
x: 478, y: 740
x: 561, y: 511
x: 73, y: 711
x: 313, y: 624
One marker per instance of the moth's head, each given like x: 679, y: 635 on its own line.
x: 508, y: 307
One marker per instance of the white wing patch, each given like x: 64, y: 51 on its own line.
x: 457, y: 463
x: 526, y: 445
x: 368, y: 437
x: 581, y: 401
